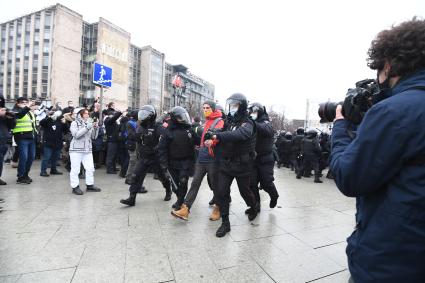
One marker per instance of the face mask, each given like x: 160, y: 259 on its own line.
x: 233, y: 110
x: 384, y: 90
x: 254, y: 116
x: 207, y: 113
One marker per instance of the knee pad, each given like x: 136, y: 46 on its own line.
x: 183, y: 180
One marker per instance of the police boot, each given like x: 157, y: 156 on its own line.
x: 182, y: 213
x: 168, y: 194
x: 224, y: 228
x: 142, y: 190
x: 131, y: 201
x: 256, y: 208
x: 317, y: 180
x: 252, y: 214
x: 215, y: 215
x: 274, y: 195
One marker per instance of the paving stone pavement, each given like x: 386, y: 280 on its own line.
x: 48, y: 234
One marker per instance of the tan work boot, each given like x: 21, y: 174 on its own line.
x: 182, y: 213
x: 215, y: 215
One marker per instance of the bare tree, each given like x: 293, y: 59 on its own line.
x: 278, y: 120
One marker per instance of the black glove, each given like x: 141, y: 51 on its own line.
x: 208, y: 135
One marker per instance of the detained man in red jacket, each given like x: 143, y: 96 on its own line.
x: 206, y: 162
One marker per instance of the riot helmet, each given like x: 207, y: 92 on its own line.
x: 147, y: 114
x: 300, y: 131
x: 179, y: 115
x: 311, y: 134
x: 236, y: 104
x: 288, y: 136
x: 256, y: 110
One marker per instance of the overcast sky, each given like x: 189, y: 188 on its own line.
x: 279, y: 53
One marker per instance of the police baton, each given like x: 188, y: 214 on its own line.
x: 173, y: 184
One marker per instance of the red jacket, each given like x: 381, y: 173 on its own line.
x: 210, y: 120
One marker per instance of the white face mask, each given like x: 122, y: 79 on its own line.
x: 254, y: 116
x: 233, y: 110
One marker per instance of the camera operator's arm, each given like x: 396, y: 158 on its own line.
x: 113, y: 119
x: 365, y: 164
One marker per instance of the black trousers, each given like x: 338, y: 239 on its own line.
x: 140, y: 171
x: 225, y: 180
x: 263, y: 175
x: 309, y: 162
x: 111, y: 156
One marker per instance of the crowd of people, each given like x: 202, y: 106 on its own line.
x: 236, y: 142
x: 304, y: 151
x: 378, y: 158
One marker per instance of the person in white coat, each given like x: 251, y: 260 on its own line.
x: 83, y: 130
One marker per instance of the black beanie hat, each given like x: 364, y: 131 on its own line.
x: 210, y: 103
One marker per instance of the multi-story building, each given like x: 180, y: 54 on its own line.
x: 49, y: 55
x: 195, y: 90
x: 40, y: 55
x: 152, y: 77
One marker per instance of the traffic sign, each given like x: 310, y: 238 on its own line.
x: 102, y: 75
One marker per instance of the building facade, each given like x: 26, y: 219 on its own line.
x: 152, y: 77
x: 49, y: 55
x: 194, y: 92
x: 34, y: 65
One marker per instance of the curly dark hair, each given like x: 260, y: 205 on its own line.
x: 403, y: 46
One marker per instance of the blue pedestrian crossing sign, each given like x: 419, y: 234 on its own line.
x: 102, y: 75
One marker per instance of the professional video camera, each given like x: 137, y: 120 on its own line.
x: 357, y: 101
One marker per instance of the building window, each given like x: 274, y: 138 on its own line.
x: 28, y: 24
x: 47, y: 20
x: 47, y: 34
x: 37, y: 21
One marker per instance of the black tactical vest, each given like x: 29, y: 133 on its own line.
x: 264, y: 144
x: 148, y: 141
x: 182, y: 144
x: 243, y: 148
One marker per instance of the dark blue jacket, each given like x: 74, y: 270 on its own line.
x: 388, y: 244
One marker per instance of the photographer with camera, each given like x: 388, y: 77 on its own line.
x: 53, y: 130
x: 383, y: 165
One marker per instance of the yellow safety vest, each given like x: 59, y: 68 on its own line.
x: 25, y: 124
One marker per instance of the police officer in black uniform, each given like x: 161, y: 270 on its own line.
x: 264, y: 162
x: 238, y: 154
x: 177, y: 152
x: 296, y: 149
x: 148, y: 132
x: 310, y: 149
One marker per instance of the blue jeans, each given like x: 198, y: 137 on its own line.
x: 3, y: 150
x: 50, y: 157
x: 26, y: 156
